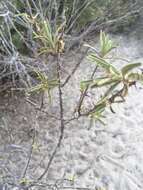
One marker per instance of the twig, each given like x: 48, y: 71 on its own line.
x: 60, y: 97
x: 110, y: 101
x: 50, y: 160
x: 71, y: 119
x: 83, y: 94
x: 77, y: 14
x: 76, y: 188
x: 30, y: 156
x: 75, y: 68
x: 73, y: 7
x: 54, y: 186
x: 39, y: 109
x: 99, y: 25
x: 67, y: 121
x: 61, y: 119
x: 4, y: 14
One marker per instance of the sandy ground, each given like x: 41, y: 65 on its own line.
x: 91, y: 156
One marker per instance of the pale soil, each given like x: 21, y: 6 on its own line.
x: 108, y: 156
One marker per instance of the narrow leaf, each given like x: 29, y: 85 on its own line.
x: 111, y: 89
x: 126, y: 69
x: 135, y: 77
x: 102, y: 63
x: 104, y: 82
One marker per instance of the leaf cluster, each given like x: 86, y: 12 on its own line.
x: 116, y: 81
x: 43, y: 84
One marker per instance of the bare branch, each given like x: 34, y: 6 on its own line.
x: 61, y: 119
x: 75, y: 68
x: 98, y: 25
x: 83, y: 94
x: 30, y: 155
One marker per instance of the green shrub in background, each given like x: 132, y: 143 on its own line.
x: 105, y: 10
x: 33, y: 27
x: 76, y: 15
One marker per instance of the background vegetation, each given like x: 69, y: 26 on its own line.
x: 32, y: 27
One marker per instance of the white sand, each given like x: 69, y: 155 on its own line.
x: 108, y: 156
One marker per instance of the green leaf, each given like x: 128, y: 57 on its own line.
x: 44, y: 84
x: 97, y: 113
x: 84, y: 84
x: 99, y: 61
x: 135, y: 77
x: 36, y: 147
x: 106, y: 44
x: 114, y: 71
x: 126, y: 69
x: 111, y: 89
x: 104, y: 82
x: 101, y: 121
x: 102, y: 63
x: 36, y: 88
x: 24, y: 181
x: 100, y: 107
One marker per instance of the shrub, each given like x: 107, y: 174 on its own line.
x: 42, y: 28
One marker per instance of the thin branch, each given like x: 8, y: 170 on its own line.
x: 29, y: 157
x: 73, y: 7
x: 50, y: 161
x: 60, y: 96
x: 61, y: 119
x: 78, y: 13
x: 39, y: 109
x: 75, y: 68
x: 83, y: 94
x: 71, y: 119
x: 98, y: 25
x: 76, y: 188
x: 55, y: 186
